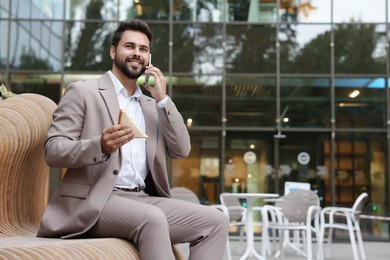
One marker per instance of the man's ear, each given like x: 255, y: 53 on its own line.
x: 112, y: 52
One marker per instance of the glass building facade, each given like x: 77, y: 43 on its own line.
x: 271, y: 90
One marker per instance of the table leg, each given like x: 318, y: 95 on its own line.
x: 250, y: 249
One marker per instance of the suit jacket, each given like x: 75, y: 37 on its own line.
x: 73, y: 142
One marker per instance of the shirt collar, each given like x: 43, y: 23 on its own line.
x: 120, y: 89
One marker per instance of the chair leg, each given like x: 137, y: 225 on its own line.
x: 360, y: 241
x: 309, y: 245
x: 227, y: 250
x: 351, y: 232
x: 330, y: 235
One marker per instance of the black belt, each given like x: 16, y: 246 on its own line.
x: 137, y: 189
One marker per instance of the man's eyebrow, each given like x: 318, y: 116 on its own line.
x: 134, y: 44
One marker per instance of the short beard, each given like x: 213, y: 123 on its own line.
x: 121, y: 65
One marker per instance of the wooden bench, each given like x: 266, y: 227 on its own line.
x: 24, y: 121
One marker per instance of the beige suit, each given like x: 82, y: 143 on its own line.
x: 74, y: 142
x: 85, y: 204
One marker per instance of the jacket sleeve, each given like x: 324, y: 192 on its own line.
x: 175, y: 132
x: 64, y: 146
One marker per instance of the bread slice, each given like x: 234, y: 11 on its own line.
x: 125, y: 119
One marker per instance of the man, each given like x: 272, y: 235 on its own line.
x: 116, y: 185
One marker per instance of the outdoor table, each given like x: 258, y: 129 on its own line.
x: 250, y: 197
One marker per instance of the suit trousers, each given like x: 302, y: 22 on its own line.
x: 154, y: 223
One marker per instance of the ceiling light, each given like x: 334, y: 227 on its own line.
x: 354, y: 94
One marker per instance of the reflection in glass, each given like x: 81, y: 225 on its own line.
x: 360, y: 166
x: 4, y: 44
x: 360, y: 48
x: 305, y: 102
x: 200, y: 104
x: 304, y: 11
x: 250, y: 49
x: 88, y: 45
x: 145, y: 10
x: 304, y: 48
x: 360, y: 96
x: 4, y: 8
x: 197, y: 48
x: 347, y: 11
x: 36, y: 45
x: 250, y: 101
x: 92, y: 10
x: 48, y: 9
x: 200, y: 170
x: 44, y: 84
x: 314, y: 171
x: 160, y: 46
x: 241, y: 175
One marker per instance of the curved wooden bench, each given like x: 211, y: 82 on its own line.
x: 24, y: 121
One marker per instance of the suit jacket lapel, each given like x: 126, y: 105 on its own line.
x: 107, y: 90
x: 148, y: 106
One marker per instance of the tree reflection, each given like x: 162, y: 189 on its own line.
x: 29, y: 60
x: 90, y: 51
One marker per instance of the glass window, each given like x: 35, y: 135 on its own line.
x: 200, y: 171
x: 250, y: 101
x: 88, y: 46
x: 36, y: 45
x: 199, y: 99
x: 304, y: 48
x: 305, y: 102
x: 4, y: 8
x: 360, y: 166
x: 38, y: 9
x: 305, y: 11
x: 248, y: 160
x: 197, y: 48
x: 210, y: 11
x: 44, y: 84
x: 160, y: 46
x: 302, y: 159
x: 4, y: 44
x: 253, y: 11
x: 250, y: 49
x: 346, y: 11
x: 68, y: 78
x: 145, y: 10
x: 360, y: 48
x: 360, y: 96
x: 92, y: 10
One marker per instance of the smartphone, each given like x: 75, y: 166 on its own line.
x: 147, y: 76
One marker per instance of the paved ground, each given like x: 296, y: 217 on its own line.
x: 338, y: 251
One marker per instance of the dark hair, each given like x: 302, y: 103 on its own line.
x: 133, y: 25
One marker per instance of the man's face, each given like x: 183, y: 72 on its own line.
x: 132, y: 54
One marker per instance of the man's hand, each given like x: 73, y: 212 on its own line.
x: 159, y: 91
x: 114, y: 137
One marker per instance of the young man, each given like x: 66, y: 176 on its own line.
x: 116, y: 185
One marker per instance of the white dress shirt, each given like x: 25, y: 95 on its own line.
x: 134, y: 161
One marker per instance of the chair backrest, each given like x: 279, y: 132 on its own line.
x: 290, y: 186
x: 295, y: 205
x: 233, y: 205
x: 24, y: 122
x: 183, y: 193
x: 359, y: 203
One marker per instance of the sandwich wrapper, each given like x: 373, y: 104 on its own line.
x: 125, y: 119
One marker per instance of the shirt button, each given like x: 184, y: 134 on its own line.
x: 115, y: 172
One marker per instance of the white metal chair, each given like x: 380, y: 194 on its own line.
x: 346, y: 219
x: 186, y: 194
x: 297, y: 211
x: 236, y: 214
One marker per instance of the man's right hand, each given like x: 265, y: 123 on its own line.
x: 114, y: 137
